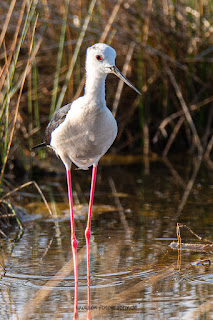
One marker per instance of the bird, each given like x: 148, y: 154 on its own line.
x: 82, y: 131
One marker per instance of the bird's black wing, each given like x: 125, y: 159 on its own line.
x: 56, y: 120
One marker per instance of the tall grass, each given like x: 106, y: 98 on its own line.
x: 171, y: 63
x: 59, y: 60
x: 7, y: 133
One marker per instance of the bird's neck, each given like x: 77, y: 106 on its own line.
x: 95, y: 87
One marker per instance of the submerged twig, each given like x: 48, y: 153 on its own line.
x: 196, y: 247
x: 180, y: 225
x: 178, y: 235
x: 179, y: 245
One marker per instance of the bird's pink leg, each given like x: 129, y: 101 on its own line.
x: 88, y: 228
x: 75, y: 312
x: 74, y: 242
x: 89, y: 316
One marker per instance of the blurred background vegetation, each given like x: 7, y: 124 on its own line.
x: 164, y: 47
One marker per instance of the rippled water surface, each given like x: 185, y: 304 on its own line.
x: 135, y: 273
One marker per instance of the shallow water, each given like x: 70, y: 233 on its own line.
x: 135, y: 273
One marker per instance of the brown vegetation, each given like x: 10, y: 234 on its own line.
x: 163, y: 47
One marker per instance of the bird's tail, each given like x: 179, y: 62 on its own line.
x: 40, y: 145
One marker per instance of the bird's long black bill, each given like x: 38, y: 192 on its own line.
x: 41, y: 145
x: 117, y: 72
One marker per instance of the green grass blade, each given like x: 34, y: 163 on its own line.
x: 59, y: 60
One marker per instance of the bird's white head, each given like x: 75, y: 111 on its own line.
x: 100, y: 59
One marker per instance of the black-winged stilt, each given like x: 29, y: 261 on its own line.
x: 82, y: 131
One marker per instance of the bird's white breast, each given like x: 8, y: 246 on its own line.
x: 85, y: 135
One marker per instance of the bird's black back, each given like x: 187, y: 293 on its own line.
x: 56, y: 120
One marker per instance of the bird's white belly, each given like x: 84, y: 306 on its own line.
x: 83, y: 138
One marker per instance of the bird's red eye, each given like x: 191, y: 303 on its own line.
x: 98, y: 57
